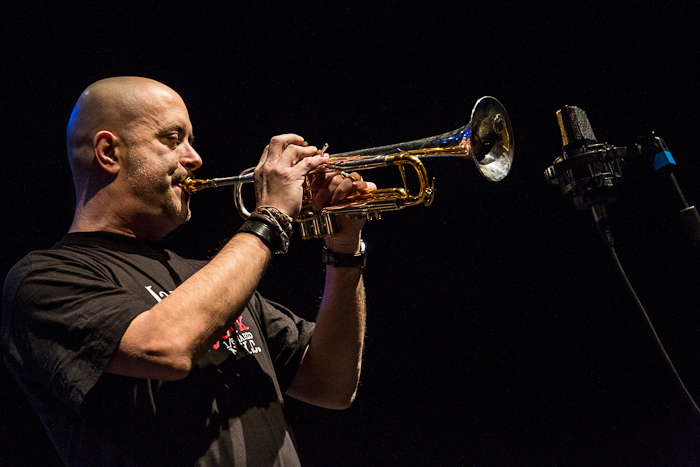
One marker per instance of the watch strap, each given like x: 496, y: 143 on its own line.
x: 340, y: 260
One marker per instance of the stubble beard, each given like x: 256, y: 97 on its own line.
x: 154, y: 189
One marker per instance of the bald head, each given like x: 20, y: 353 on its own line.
x: 129, y: 144
x: 115, y: 105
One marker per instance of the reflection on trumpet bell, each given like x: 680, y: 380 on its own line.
x: 487, y: 140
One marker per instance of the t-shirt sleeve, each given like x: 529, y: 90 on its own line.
x: 66, y: 320
x: 287, y: 337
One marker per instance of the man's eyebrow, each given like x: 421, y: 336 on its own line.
x: 174, y: 127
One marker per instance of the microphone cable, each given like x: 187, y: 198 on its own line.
x: 650, y: 325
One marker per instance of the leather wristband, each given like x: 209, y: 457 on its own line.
x: 268, y: 234
x: 339, y: 260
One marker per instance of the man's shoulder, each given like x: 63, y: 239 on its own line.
x: 33, y: 260
x: 65, y: 249
x: 61, y: 253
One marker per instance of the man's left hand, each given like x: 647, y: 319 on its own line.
x: 331, y: 188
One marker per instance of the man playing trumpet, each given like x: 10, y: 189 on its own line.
x: 133, y: 355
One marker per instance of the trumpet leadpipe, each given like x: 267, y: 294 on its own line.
x: 194, y: 185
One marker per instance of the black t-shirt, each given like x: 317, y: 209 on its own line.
x: 64, y: 312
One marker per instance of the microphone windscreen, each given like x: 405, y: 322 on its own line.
x: 574, y: 127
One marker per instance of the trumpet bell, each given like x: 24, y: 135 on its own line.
x: 491, y: 139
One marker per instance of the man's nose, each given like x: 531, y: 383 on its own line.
x: 190, y: 158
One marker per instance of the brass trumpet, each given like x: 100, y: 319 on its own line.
x: 487, y: 140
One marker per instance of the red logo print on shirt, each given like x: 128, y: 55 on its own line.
x: 237, y: 340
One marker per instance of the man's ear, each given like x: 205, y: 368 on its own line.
x: 104, y: 146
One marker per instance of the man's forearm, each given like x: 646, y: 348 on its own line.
x: 330, y: 370
x: 193, y: 315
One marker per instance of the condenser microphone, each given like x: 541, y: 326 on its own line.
x: 588, y: 171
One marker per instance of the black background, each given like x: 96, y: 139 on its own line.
x: 498, y: 332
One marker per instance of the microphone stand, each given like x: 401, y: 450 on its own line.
x: 654, y: 150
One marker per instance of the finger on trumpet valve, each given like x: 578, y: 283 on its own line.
x: 319, y: 152
x: 347, y: 175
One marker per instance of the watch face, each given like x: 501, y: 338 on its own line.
x: 325, y: 257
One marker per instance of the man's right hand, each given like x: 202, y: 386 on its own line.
x: 280, y: 174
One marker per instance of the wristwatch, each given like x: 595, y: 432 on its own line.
x: 339, y: 260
